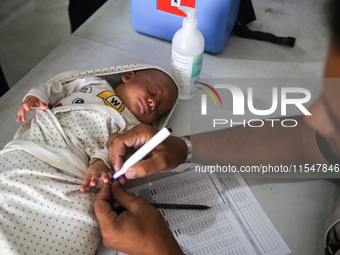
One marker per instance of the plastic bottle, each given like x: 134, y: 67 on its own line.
x: 187, y: 54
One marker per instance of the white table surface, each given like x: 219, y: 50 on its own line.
x: 298, y: 208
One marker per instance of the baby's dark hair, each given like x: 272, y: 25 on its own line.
x: 333, y: 11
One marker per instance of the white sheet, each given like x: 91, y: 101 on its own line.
x: 42, y: 210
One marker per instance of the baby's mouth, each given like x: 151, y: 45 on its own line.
x: 144, y: 107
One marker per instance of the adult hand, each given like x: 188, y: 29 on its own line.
x: 139, y: 230
x: 167, y: 155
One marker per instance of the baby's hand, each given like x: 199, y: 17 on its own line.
x: 94, y: 173
x: 26, y: 106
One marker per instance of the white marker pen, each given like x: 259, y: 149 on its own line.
x: 144, y: 150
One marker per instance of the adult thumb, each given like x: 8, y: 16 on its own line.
x: 144, y: 168
x: 123, y: 198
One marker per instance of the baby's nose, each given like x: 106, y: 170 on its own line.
x: 152, y: 104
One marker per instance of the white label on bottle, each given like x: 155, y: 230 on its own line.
x: 186, y: 71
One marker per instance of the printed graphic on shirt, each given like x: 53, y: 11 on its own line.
x: 78, y: 101
x: 86, y: 89
x: 112, y: 100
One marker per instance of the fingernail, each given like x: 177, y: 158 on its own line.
x: 130, y: 174
x: 115, y: 184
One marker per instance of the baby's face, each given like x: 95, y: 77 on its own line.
x: 148, y: 94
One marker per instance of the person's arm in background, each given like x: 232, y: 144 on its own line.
x: 139, y: 230
x: 254, y: 146
x: 235, y: 146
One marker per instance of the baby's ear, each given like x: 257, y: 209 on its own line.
x: 128, y: 76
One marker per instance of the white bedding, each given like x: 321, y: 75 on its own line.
x: 42, y: 210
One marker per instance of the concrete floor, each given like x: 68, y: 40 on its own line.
x: 29, y: 31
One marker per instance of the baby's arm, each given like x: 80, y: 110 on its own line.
x: 95, y: 172
x: 26, y: 106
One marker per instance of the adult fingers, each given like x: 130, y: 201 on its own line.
x: 116, y: 150
x: 103, y: 205
x: 123, y: 198
x: 146, y: 167
x: 165, y: 156
x: 120, y: 145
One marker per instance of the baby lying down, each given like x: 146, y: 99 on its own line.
x: 62, y: 149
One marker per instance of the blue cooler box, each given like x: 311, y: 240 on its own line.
x: 216, y: 19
